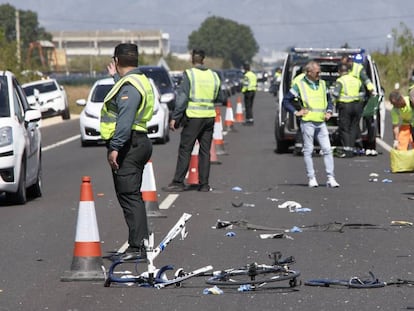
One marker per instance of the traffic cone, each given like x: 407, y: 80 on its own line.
x: 149, y: 192
x: 239, y: 111
x: 218, y: 134
x: 192, y: 174
x: 229, y: 119
x: 213, y: 154
x: 87, y: 264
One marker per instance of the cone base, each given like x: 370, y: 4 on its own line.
x: 152, y: 210
x: 70, y: 276
x: 85, y: 269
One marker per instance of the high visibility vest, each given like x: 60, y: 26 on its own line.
x: 204, y: 88
x: 350, y: 89
x: 249, y: 82
x: 109, y: 111
x: 356, y: 72
x: 313, y: 100
x: 404, y: 115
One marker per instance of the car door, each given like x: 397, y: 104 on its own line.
x: 30, y: 130
x: 375, y: 78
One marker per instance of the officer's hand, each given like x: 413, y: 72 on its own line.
x: 172, y: 125
x: 395, y: 144
x: 328, y: 115
x: 111, y: 69
x: 112, y: 159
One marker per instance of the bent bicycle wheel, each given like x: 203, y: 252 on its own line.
x: 260, y: 275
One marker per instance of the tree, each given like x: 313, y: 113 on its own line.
x: 220, y: 37
x: 29, y: 27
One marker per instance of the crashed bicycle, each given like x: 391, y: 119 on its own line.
x: 154, y: 277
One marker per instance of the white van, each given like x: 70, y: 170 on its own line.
x: 329, y: 60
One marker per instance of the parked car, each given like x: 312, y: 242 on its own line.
x: 329, y: 60
x: 236, y: 77
x: 163, y: 81
x: 225, y: 87
x: 20, y: 143
x: 89, y: 121
x: 49, y: 97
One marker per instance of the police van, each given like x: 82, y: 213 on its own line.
x: 329, y: 59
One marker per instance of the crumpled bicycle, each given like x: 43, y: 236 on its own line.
x: 256, y: 275
x: 154, y: 277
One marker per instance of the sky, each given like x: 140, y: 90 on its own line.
x: 276, y: 24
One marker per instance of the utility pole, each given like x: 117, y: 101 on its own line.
x: 18, y: 53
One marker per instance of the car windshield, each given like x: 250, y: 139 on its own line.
x: 42, y: 87
x: 4, y: 98
x: 100, y: 92
x: 160, y: 78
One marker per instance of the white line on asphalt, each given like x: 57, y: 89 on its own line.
x: 67, y: 140
x: 383, y: 144
x: 168, y: 201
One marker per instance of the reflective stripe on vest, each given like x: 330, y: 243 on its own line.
x: 204, y: 88
x: 109, y: 112
x: 350, y: 89
x: 313, y: 100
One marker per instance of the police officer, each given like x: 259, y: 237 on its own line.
x: 358, y: 71
x: 249, y: 91
x: 127, y: 109
x: 348, y: 92
x: 316, y: 109
x: 402, y: 118
x: 195, y: 111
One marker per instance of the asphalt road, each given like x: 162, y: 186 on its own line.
x: 37, y: 239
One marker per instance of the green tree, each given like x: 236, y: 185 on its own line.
x: 220, y: 37
x: 7, y: 53
x: 29, y: 28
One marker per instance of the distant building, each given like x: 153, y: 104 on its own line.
x: 102, y: 43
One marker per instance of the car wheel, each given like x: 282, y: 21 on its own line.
x: 19, y: 197
x: 35, y: 190
x: 165, y: 139
x: 66, y: 113
x: 85, y: 143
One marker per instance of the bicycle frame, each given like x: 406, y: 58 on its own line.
x: 154, y: 277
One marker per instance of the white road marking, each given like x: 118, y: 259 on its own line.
x: 65, y: 141
x: 168, y: 201
x: 384, y: 145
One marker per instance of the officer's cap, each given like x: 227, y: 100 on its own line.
x: 126, y: 50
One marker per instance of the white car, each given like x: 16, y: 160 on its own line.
x: 49, y: 97
x: 158, y: 129
x: 20, y: 143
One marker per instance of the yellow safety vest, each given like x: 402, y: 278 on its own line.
x: 356, y: 72
x: 204, y: 88
x: 109, y: 111
x: 313, y: 100
x: 350, y: 89
x: 249, y: 82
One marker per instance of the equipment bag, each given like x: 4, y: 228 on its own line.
x: 372, y: 106
x: 402, y: 160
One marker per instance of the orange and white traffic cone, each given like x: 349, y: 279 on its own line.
x: 149, y: 192
x: 213, y: 154
x: 229, y: 119
x: 218, y: 134
x: 87, y: 264
x: 192, y: 174
x: 239, y: 111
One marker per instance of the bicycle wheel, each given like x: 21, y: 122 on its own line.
x: 254, y: 275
